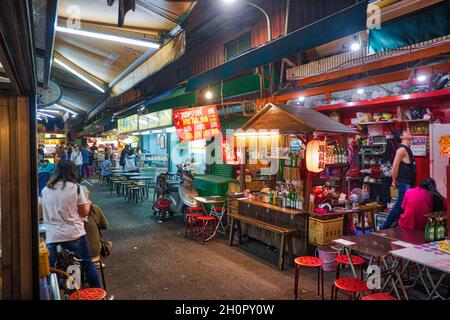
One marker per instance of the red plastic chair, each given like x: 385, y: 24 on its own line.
x: 309, y: 262
x: 350, y: 285
x: 379, y: 296
x: 206, y: 222
x: 343, y: 260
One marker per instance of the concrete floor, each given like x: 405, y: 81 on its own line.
x: 152, y: 260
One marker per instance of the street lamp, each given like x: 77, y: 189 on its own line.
x: 269, y: 37
x: 264, y: 12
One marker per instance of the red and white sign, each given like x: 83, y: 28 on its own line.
x: 197, y: 123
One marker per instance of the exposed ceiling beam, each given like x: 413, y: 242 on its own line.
x: 52, y: 15
x: 112, y: 29
x: 5, y: 86
x: 289, y: 62
x: 88, y: 77
x: 16, y: 45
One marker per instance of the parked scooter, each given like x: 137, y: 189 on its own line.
x: 174, y: 197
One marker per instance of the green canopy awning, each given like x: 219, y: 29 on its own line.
x: 429, y: 23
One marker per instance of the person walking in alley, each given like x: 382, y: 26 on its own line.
x: 130, y: 161
x: 86, y: 162
x: 77, y: 158
x: 123, y: 155
x: 403, y: 174
x: 64, y: 208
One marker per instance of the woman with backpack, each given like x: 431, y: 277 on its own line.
x: 64, y: 208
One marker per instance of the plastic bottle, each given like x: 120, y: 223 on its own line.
x: 441, y: 230
x: 429, y: 231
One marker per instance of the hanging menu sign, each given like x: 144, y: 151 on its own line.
x: 197, y: 123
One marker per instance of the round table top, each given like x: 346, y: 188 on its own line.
x: 130, y: 174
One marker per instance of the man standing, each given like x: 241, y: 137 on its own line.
x: 86, y: 162
x: 403, y: 174
x: 123, y: 155
x: 77, y: 158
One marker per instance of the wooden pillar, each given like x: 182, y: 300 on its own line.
x: 15, y: 191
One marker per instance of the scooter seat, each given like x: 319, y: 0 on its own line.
x: 163, y: 204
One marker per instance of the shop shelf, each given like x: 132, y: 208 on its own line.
x: 376, y: 122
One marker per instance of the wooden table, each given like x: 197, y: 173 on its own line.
x: 376, y: 247
x: 408, y: 236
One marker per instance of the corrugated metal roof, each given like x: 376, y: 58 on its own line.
x: 287, y: 118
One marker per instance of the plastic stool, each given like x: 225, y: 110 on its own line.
x: 309, y: 262
x: 343, y: 260
x: 89, y: 294
x: 207, y: 221
x: 350, y: 285
x: 192, y: 223
x: 379, y: 296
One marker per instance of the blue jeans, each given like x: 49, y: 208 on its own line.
x: 397, y: 210
x: 81, y: 250
x: 85, y: 169
x: 80, y: 171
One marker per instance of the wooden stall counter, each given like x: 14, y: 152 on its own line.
x: 271, y: 224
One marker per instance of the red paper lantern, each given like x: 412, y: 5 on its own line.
x: 315, y: 156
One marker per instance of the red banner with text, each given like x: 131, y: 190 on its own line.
x: 197, y: 123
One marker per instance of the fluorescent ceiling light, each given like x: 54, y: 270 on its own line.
x: 39, y: 118
x: 79, y: 75
x: 45, y: 114
x: 65, y: 109
x: 49, y: 111
x: 156, y: 131
x: 109, y: 37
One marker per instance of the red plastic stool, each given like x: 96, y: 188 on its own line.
x: 195, y: 210
x: 350, y: 285
x: 379, y: 296
x: 343, y: 260
x: 309, y: 262
x: 192, y: 223
x: 207, y: 221
x: 89, y: 294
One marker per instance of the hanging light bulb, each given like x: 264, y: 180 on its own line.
x: 356, y: 43
x: 208, y: 94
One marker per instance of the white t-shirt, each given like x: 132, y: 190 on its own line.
x: 60, y: 212
x: 77, y: 158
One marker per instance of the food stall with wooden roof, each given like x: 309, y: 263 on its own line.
x: 281, y: 148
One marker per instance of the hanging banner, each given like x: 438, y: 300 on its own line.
x: 197, y: 123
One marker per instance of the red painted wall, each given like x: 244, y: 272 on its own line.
x: 423, y: 163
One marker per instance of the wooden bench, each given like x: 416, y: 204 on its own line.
x: 286, y: 235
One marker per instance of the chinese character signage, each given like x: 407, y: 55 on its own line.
x: 146, y: 121
x: 197, y: 123
x: 128, y: 124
